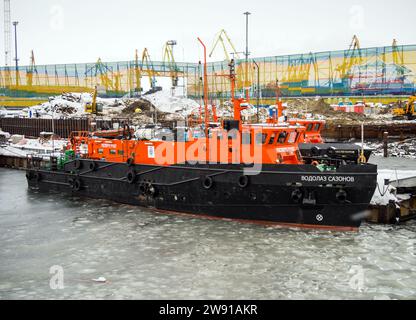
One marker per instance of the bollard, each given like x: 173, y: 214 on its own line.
x: 385, y: 144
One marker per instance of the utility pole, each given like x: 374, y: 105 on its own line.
x: 16, y: 59
x: 247, y: 53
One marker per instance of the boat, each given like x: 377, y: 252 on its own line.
x: 230, y: 170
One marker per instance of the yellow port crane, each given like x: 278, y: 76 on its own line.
x: 148, y: 68
x: 135, y: 76
x: 219, y: 39
x: 32, y: 71
x: 169, y: 61
x: 228, y: 47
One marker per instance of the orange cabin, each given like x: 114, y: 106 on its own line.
x: 254, y: 144
x: 313, y: 129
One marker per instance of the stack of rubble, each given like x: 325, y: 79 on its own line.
x: 70, y: 105
x: 402, y: 149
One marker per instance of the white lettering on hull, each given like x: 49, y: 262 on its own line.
x: 328, y: 179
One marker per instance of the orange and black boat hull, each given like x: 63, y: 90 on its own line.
x: 292, y: 195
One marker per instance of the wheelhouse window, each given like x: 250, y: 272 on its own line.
x: 100, y: 151
x: 282, y: 137
x: 272, y: 138
x: 309, y: 127
x: 293, y: 137
x: 317, y: 126
x: 113, y: 151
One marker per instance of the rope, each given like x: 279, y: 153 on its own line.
x: 384, y: 192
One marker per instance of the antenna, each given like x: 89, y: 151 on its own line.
x: 7, y: 34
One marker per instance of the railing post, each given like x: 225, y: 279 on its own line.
x: 385, y: 144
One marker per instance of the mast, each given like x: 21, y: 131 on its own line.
x: 206, y: 97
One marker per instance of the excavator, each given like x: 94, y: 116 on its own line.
x: 407, y: 111
x: 91, y: 107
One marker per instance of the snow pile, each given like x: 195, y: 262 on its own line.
x: 165, y: 102
x: 4, y: 135
x: 403, y: 149
x: 70, y: 105
x: 386, y: 193
x: 37, y: 147
x: 9, y: 151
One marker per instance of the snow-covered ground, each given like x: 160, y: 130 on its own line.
x: 26, y: 147
x: 68, y: 105
x: 72, y: 105
x: 386, y: 193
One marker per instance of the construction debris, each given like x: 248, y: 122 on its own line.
x: 69, y: 105
x: 402, y: 149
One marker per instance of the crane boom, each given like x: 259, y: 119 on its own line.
x: 169, y: 59
x: 219, y: 39
x: 150, y: 69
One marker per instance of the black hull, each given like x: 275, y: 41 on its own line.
x: 297, y: 195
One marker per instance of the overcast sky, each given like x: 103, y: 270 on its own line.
x: 67, y: 31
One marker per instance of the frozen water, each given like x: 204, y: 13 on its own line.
x: 143, y: 254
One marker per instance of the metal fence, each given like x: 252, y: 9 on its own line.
x: 367, y: 71
x: 61, y: 127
